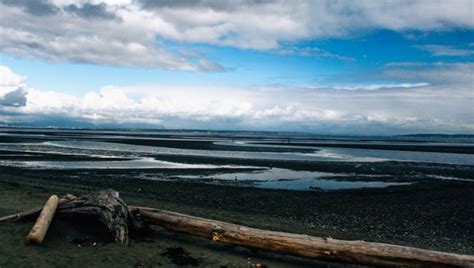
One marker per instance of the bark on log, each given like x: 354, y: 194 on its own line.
x: 358, y: 252
x: 105, y: 206
x: 38, y: 232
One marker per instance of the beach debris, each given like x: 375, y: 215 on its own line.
x: 38, y: 232
x: 107, y: 207
x: 316, y: 248
x: 180, y: 256
x: 33, y: 212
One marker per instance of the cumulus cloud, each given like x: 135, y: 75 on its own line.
x: 125, y: 32
x: 9, y: 80
x: 359, y: 109
x: 83, y: 33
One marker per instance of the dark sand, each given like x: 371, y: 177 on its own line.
x: 72, y: 244
x: 436, y: 215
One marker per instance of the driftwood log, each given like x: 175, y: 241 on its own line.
x: 108, y: 208
x: 38, y: 232
x: 358, y: 252
x: 32, y: 212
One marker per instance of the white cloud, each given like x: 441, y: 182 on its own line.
x: 9, y: 80
x: 438, y: 73
x: 125, y: 41
x: 125, y: 32
x: 364, y: 109
x: 383, y: 86
x: 264, y: 24
x: 440, y: 50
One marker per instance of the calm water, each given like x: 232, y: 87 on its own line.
x: 319, y: 154
x: 260, y: 176
x: 277, y: 178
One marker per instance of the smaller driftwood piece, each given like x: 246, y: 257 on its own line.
x: 32, y: 212
x: 38, y: 232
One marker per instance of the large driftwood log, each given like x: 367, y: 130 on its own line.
x: 41, y: 226
x: 359, y: 252
x: 105, y: 206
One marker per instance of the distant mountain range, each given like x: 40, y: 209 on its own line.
x: 438, y: 135
x: 234, y: 132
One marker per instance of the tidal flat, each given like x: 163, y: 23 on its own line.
x: 416, y: 203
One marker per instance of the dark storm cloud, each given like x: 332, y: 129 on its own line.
x: 90, y: 11
x: 33, y: 7
x: 15, y: 98
x: 44, y: 8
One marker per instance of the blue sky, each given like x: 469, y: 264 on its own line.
x: 345, y: 67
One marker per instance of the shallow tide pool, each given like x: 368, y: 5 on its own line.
x: 277, y: 178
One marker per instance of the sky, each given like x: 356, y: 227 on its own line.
x: 326, y: 67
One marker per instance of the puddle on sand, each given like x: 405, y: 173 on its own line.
x: 322, y: 184
x: 277, y: 178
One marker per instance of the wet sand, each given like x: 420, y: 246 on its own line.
x: 459, y: 149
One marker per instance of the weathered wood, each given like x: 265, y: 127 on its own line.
x: 38, y: 232
x: 21, y: 215
x: 107, y: 207
x: 32, y: 212
x: 358, y: 252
